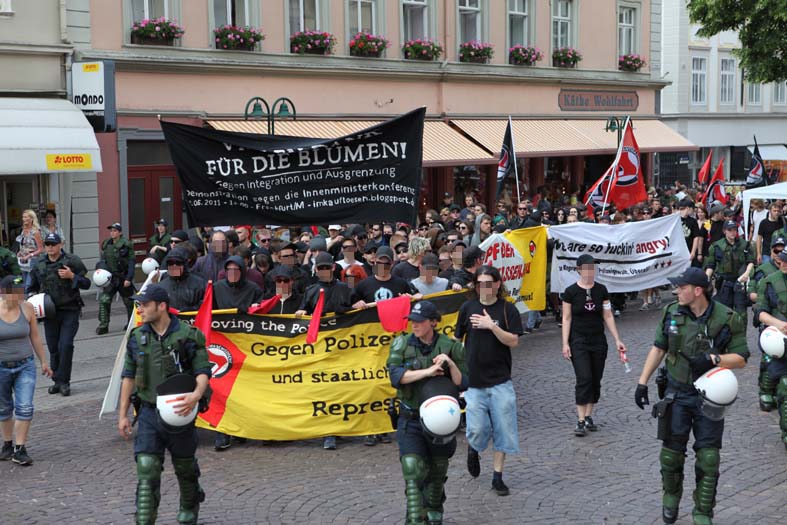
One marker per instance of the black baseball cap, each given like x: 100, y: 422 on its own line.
x: 783, y: 256
x: 11, y: 281
x: 685, y: 203
x: 730, y: 225
x: 153, y: 292
x: 281, y: 270
x: 778, y: 241
x: 692, y: 276
x: 323, y: 258
x: 115, y: 226
x: 52, y: 238
x: 430, y: 260
x: 162, y: 221
x: 385, y: 251
x: 585, y: 258
x: 424, y: 311
x: 179, y: 234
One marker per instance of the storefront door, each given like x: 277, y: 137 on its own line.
x: 153, y: 193
x: 17, y: 194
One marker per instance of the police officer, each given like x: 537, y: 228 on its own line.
x: 695, y: 334
x: 414, y: 359
x: 767, y: 388
x: 160, y: 241
x: 161, y: 348
x: 60, y: 275
x: 8, y: 263
x: 731, y: 259
x: 771, y: 310
x: 117, y: 256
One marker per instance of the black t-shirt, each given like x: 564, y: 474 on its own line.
x: 766, y: 229
x: 691, y: 230
x: 488, y: 360
x: 587, y: 311
x: 405, y: 270
x: 371, y: 289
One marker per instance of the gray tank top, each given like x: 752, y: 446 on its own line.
x: 15, y: 342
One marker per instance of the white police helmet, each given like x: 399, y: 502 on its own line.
x: 718, y: 389
x: 149, y: 265
x: 42, y: 305
x: 101, y: 277
x: 171, y: 393
x: 440, y: 417
x: 772, y: 342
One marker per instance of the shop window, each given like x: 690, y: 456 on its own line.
x: 727, y: 93
x: 305, y: 15
x: 699, y: 78
x: 519, y: 20
x: 562, y: 23
x: 469, y: 21
x: 415, y: 19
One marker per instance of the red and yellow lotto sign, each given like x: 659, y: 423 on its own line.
x: 68, y: 161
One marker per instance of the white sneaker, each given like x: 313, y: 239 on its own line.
x: 644, y: 307
x: 616, y: 313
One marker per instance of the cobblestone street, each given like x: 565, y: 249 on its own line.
x: 84, y: 472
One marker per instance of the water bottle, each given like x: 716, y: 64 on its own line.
x: 673, y: 327
x: 626, y: 364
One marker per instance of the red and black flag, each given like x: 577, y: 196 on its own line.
x: 756, y: 176
x: 702, y: 175
x: 507, y: 163
x: 715, y: 191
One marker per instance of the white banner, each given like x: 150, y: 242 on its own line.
x: 631, y: 257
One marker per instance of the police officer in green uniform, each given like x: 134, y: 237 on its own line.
x: 8, y: 263
x: 767, y: 388
x: 159, y: 242
x: 117, y: 256
x: 160, y: 349
x: 731, y: 259
x: 695, y: 334
x: 61, y: 276
x: 771, y: 310
x: 414, y: 359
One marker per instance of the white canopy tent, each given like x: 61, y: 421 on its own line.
x: 772, y: 192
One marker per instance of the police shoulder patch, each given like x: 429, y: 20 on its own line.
x: 399, y: 343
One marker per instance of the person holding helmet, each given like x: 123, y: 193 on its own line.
x: 731, y: 259
x: 158, y: 354
x: 60, y: 275
x: 771, y: 310
x: 415, y: 361
x: 160, y: 241
x: 117, y: 256
x: 695, y: 335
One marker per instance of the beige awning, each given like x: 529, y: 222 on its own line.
x: 555, y: 137
x: 443, y: 145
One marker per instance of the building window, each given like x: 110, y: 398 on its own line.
x: 518, y: 22
x: 469, y: 20
x: 232, y: 12
x: 699, y: 77
x: 727, y: 95
x: 754, y: 95
x: 142, y: 9
x: 780, y: 93
x: 627, y: 34
x: 304, y: 15
x: 561, y: 23
x: 6, y: 9
x: 363, y: 16
x: 415, y: 19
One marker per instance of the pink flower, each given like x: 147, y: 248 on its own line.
x: 158, y: 28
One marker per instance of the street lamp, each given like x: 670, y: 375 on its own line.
x: 279, y: 109
x: 616, y: 124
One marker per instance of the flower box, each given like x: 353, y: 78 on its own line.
x: 419, y: 49
x: 566, y: 57
x: 524, y: 55
x: 156, y: 32
x: 476, y: 52
x: 631, y: 62
x: 367, y: 45
x: 237, y: 38
x: 312, y: 43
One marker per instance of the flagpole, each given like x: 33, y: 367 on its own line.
x: 615, y: 166
x: 513, y: 153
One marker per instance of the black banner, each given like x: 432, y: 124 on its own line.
x: 242, y: 178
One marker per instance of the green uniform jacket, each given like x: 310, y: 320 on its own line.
x: 759, y: 273
x: 772, y: 296
x: 150, y: 359
x: 729, y: 260
x: 407, y: 353
x: 8, y: 263
x: 719, y: 330
x: 159, y: 241
x: 118, y: 258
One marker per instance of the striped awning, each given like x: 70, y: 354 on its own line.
x: 565, y: 137
x: 443, y: 145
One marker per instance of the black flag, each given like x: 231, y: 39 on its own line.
x: 756, y: 176
x: 506, y: 164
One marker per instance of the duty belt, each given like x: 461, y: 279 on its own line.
x: 15, y: 364
x: 409, y: 413
x: 673, y: 384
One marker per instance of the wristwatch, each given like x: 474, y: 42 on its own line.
x: 716, y: 359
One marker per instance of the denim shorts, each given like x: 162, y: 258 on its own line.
x: 17, y: 386
x: 491, y: 414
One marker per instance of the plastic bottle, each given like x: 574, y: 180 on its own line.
x: 626, y: 364
x: 673, y: 327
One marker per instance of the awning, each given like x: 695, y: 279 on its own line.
x: 443, y: 145
x: 555, y: 137
x: 45, y: 135
x: 771, y: 152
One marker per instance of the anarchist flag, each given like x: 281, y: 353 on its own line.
x: 626, y: 186
x: 596, y: 196
x: 506, y: 164
x: 756, y: 176
x: 702, y: 175
x: 715, y: 191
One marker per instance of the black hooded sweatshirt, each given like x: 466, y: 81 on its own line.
x: 238, y: 295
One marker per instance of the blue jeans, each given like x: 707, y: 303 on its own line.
x: 60, y: 332
x: 491, y: 414
x: 766, y: 258
x: 533, y: 317
x: 17, y: 386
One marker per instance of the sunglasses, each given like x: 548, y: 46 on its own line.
x: 50, y: 244
x: 280, y: 281
x: 325, y: 267
x: 265, y: 241
x: 288, y: 256
x: 348, y: 247
x: 362, y: 237
x: 522, y: 208
x: 401, y: 251
x: 777, y: 251
x: 175, y: 241
x: 463, y: 227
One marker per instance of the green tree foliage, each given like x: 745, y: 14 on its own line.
x: 761, y: 27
